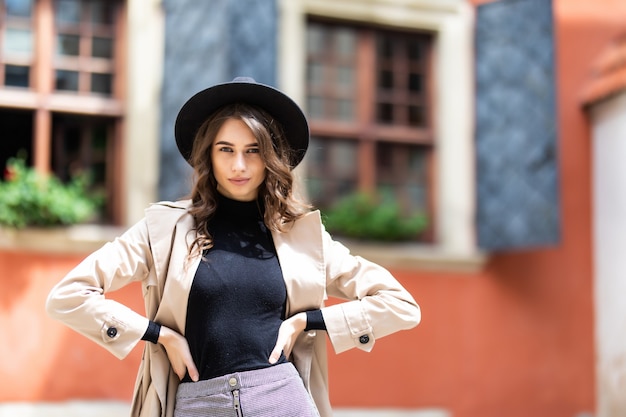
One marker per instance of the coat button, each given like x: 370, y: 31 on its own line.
x: 111, y: 332
x: 364, y: 339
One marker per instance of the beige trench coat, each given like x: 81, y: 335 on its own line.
x: 155, y: 252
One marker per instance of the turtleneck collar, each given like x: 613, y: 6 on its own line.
x: 252, y: 210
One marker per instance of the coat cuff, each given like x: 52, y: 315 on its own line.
x: 348, y: 327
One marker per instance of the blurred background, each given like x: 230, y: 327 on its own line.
x: 482, y: 140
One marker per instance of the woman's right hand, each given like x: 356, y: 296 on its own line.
x: 178, y: 353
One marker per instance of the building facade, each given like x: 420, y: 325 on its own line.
x: 467, y: 111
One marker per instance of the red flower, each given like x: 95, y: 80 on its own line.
x: 9, y: 174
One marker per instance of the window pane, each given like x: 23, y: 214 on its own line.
x: 315, y: 39
x: 66, y: 80
x: 401, y: 172
x: 416, y: 116
x: 101, y: 12
x: 315, y: 74
x: 19, y: 8
x: 415, y: 82
x: 385, y: 112
x: 101, y: 83
x: 342, y: 158
x: 333, y: 170
x: 345, y: 77
x: 385, y: 79
x: 345, y: 110
x: 414, y: 49
x: 18, y: 40
x: 68, y: 11
x: 68, y: 45
x: 102, y: 47
x: 385, y: 47
x: 345, y: 42
x: 315, y: 107
x: 16, y: 75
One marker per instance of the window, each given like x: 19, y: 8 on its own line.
x: 368, y: 102
x: 60, y: 63
x: 446, y: 143
x: 17, y: 42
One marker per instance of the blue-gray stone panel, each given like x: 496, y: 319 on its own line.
x: 516, y: 126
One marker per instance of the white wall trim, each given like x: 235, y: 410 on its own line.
x: 144, y: 66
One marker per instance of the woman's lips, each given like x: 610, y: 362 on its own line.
x: 239, y: 181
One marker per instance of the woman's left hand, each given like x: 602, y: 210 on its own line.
x: 287, y: 335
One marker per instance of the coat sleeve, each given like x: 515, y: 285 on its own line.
x: 79, y: 301
x: 377, y: 305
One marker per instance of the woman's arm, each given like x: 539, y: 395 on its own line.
x: 378, y: 304
x: 79, y: 301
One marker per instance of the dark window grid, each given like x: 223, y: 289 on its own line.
x: 400, y: 96
x: 95, y: 73
x: 86, y: 68
x: 332, y: 92
x: 83, y: 44
x: 331, y: 65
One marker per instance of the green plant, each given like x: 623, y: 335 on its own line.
x: 28, y: 198
x: 370, y: 216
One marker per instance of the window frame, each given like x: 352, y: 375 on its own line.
x: 451, y: 22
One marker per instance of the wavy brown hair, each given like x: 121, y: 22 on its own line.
x: 282, y: 208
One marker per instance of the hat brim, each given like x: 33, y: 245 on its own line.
x: 281, y: 107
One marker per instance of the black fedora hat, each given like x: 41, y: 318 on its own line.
x: 243, y: 90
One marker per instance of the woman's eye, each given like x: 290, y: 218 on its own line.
x: 225, y: 149
x: 253, y: 150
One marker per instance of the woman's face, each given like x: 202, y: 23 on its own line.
x: 237, y: 164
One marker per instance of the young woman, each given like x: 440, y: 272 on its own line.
x: 234, y: 279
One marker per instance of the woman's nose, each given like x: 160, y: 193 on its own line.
x: 239, y: 163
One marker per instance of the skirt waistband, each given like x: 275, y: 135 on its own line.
x: 237, y: 380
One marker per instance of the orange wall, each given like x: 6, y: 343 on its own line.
x: 40, y: 359
x: 514, y: 340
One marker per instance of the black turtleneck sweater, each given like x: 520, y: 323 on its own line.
x: 238, y: 296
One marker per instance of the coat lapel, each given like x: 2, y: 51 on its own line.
x: 301, y: 257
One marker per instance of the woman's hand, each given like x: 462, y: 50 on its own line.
x: 287, y: 335
x: 178, y: 353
